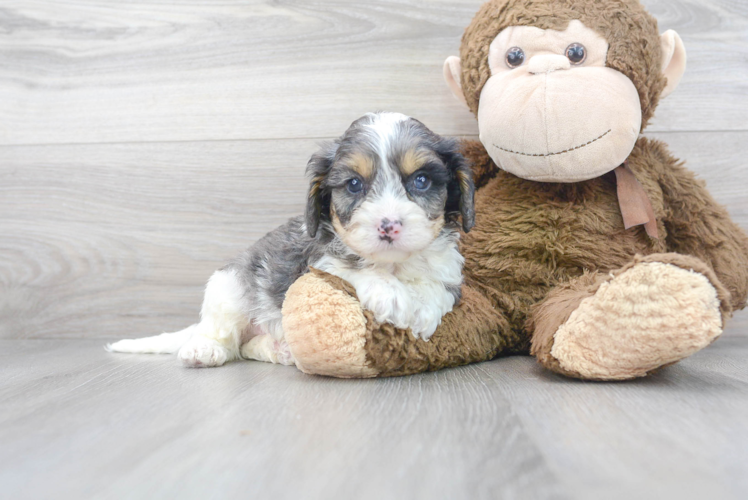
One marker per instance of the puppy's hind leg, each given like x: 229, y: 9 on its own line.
x: 223, y: 319
x: 268, y: 344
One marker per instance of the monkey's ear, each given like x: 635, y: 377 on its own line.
x: 318, y: 200
x: 673, y: 60
x: 452, y: 74
x: 460, y: 190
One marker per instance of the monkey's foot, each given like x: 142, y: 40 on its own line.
x: 325, y: 327
x: 650, y: 315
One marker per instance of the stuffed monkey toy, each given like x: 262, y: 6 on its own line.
x: 594, y: 250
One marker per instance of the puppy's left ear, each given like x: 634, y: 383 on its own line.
x: 318, y: 199
x: 461, y: 190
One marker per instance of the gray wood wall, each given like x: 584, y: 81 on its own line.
x: 143, y: 144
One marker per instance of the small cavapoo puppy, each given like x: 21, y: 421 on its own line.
x: 381, y: 214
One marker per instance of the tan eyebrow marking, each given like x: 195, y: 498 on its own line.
x: 412, y: 160
x: 559, y: 152
x: 362, y: 164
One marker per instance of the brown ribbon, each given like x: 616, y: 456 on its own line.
x: 636, y: 208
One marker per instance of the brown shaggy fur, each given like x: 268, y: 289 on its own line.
x: 397, y: 352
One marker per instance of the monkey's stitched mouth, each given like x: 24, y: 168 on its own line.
x: 557, y: 153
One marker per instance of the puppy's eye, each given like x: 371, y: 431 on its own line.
x: 576, y: 53
x: 422, y: 182
x: 355, y: 186
x: 515, y: 57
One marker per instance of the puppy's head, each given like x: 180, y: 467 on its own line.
x: 388, y: 186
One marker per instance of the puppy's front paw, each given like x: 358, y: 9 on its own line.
x: 200, y: 352
x: 425, y: 321
x: 389, y: 304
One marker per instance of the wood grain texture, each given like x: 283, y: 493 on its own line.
x: 99, y: 425
x: 114, y: 240
x: 97, y: 71
x: 675, y: 435
x: 82, y: 423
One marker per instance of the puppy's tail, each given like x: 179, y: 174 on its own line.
x: 166, y: 343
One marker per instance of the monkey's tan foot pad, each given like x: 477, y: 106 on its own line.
x: 651, y: 315
x: 325, y: 327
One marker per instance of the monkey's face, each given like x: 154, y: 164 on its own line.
x: 551, y: 110
x: 551, y: 107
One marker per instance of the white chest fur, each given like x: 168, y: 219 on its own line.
x: 410, y: 294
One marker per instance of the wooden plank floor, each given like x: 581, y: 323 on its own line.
x: 78, y: 422
x: 144, y: 143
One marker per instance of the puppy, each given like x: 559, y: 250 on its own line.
x: 381, y: 213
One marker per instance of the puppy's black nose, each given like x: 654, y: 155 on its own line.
x: 389, y: 230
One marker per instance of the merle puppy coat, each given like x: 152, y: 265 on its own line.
x: 382, y: 212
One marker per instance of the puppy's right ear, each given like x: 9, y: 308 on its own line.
x: 318, y: 198
x: 461, y: 189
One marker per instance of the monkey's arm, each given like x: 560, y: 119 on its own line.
x: 329, y: 334
x: 697, y: 225
x: 484, y: 168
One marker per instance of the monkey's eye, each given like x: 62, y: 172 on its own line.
x: 576, y: 53
x: 421, y: 182
x: 515, y: 57
x: 354, y: 186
